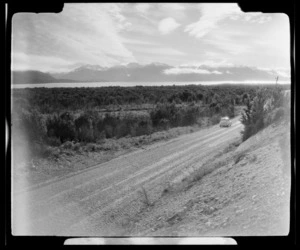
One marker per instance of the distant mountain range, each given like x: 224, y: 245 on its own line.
x: 33, y: 76
x: 154, y: 72
x: 132, y: 72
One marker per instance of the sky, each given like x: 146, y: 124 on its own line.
x: 182, y: 35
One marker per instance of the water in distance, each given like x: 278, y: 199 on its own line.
x: 129, y: 84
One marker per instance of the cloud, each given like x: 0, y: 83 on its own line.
x: 156, y: 11
x: 87, y: 33
x: 174, y: 10
x: 173, y: 6
x: 230, y: 72
x: 138, y: 42
x: 251, y: 17
x: 284, y: 74
x: 160, y: 51
x: 185, y: 70
x: 158, y: 16
x: 178, y: 71
x: 115, y: 33
x: 216, y: 72
x: 212, y: 14
x: 114, y: 10
x: 281, y: 72
x: 142, y: 7
x: 226, y: 44
x: 167, y: 25
x: 22, y: 61
x: 209, y: 64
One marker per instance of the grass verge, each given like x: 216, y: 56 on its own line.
x: 206, y: 168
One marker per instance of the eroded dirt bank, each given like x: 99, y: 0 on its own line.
x: 248, y: 195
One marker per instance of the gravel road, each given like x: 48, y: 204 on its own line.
x: 98, y: 201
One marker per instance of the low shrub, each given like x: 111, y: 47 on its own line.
x: 48, y: 151
x: 164, y: 124
x: 279, y: 114
x: 100, y: 136
x: 86, y: 134
x: 252, y: 129
x: 76, y: 146
x: 108, y: 144
x: 109, y: 131
x: 67, y: 145
x: 53, y: 141
x: 238, y: 157
x: 33, y: 125
x: 215, y: 119
x: 61, y: 126
x: 90, y: 147
x: 145, y: 197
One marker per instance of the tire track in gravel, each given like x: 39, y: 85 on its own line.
x: 154, y: 183
x: 64, y: 186
x: 87, y: 174
x: 91, y: 189
x: 88, y: 196
x: 129, y: 194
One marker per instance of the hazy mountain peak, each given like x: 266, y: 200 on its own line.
x: 90, y: 67
x: 133, y: 65
x: 159, y: 64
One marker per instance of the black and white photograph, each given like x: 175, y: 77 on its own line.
x: 150, y: 120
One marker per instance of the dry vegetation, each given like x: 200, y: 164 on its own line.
x: 56, y: 131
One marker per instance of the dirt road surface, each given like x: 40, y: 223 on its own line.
x: 101, y: 200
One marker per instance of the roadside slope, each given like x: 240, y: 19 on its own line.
x: 248, y: 195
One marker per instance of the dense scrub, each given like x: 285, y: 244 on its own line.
x: 55, y: 116
x: 268, y: 105
x: 49, y: 100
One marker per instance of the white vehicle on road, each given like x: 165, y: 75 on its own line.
x: 225, y: 122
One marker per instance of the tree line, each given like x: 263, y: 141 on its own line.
x: 54, y: 116
x: 49, y: 100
